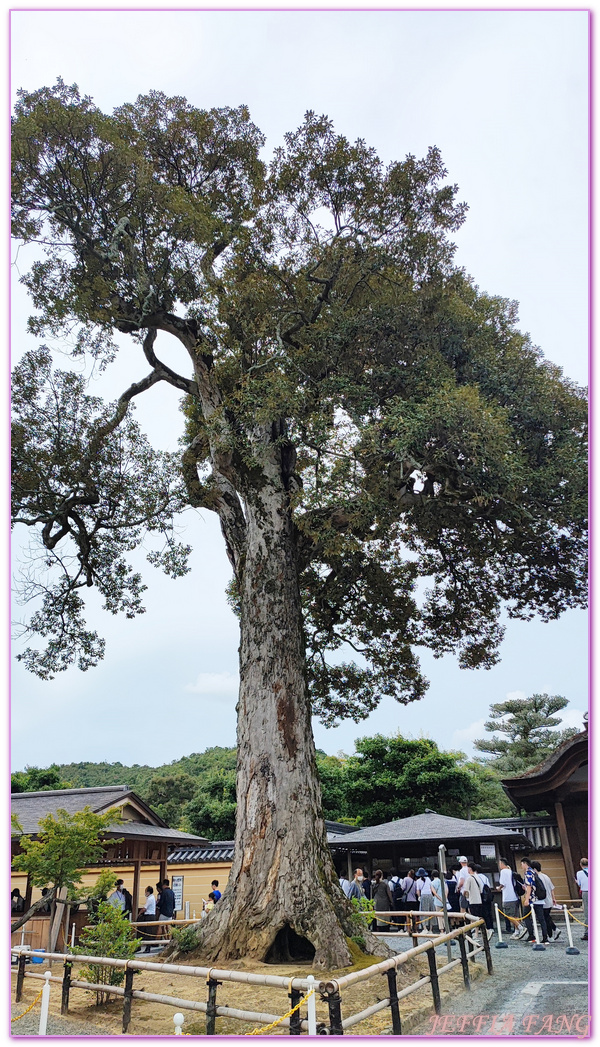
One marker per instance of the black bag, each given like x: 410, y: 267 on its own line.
x: 540, y: 890
x: 398, y: 895
x: 518, y: 885
x: 486, y: 891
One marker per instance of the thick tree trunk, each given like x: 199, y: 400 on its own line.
x: 283, y: 899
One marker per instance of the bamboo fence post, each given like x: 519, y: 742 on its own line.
x: 435, y: 984
x: 129, y: 973
x: 334, y: 1003
x: 66, y: 985
x: 394, y: 1008
x: 413, y: 929
x: 464, y: 960
x: 20, y: 978
x: 295, y: 1020
x: 487, y: 950
x: 211, y: 1006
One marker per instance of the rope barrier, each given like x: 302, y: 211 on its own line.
x: 278, y: 1021
x: 30, y: 1008
x: 575, y: 918
x: 515, y: 919
x: 419, y: 916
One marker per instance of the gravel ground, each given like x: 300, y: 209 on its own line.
x: 29, y: 1025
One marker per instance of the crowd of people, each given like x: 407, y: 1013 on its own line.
x: 466, y: 888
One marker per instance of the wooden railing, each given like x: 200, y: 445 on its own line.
x: 296, y: 988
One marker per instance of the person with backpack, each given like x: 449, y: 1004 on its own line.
x: 395, y: 886
x: 471, y: 892
x: 511, y: 904
x: 486, y: 900
x: 405, y: 896
x: 533, y: 898
x: 549, y: 901
x: 583, y: 884
x: 452, y: 888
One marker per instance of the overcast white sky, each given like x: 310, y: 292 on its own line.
x: 504, y: 95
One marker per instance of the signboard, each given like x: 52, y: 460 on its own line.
x: 487, y: 850
x: 177, y: 888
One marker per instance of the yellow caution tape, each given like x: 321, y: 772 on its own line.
x: 30, y: 1008
x: 278, y: 1021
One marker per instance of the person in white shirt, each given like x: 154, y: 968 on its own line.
x: 582, y: 883
x: 549, y: 901
x: 460, y: 881
x: 472, y: 892
x: 148, y: 912
x: 438, y: 889
x: 510, y: 901
x: 425, y: 895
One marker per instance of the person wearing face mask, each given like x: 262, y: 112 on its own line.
x: 356, y: 887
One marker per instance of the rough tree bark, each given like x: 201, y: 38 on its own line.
x: 283, y: 899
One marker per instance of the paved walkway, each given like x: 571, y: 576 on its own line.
x: 530, y: 993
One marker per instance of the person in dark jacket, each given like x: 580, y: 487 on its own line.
x: 166, y: 903
x: 382, y: 896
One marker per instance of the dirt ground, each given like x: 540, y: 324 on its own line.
x: 152, y: 1019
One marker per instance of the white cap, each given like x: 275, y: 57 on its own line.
x: 463, y: 858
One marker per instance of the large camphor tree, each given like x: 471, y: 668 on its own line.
x: 391, y: 461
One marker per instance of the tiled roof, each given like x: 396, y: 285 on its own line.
x: 30, y: 807
x: 425, y: 827
x: 155, y: 832
x: 213, y: 852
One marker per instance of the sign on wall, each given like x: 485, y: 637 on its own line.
x: 177, y: 888
x: 487, y: 850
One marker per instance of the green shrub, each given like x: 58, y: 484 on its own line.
x: 110, y: 935
x: 362, y: 914
x: 185, y: 938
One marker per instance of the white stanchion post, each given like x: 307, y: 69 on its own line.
x: 45, y: 1004
x: 73, y: 936
x: 178, y: 1021
x: 571, y: 951
x: 499, y: 944
x: 538, y: 942
x: 312, y: 1008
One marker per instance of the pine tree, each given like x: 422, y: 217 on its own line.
x: 527, y: 724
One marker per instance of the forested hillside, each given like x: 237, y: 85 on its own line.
x: 387, y: 778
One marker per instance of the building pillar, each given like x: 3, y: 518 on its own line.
x: 570, y: 869
x: 28, y: 893
x: 136, y: 887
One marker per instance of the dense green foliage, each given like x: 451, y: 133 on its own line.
x: 335, y: 348
x: 529, y: 738
x: 395, y: 777
x: 36, y: 779
x: 388, y: 777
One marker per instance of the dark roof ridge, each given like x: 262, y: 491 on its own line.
x: 81, y: 789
